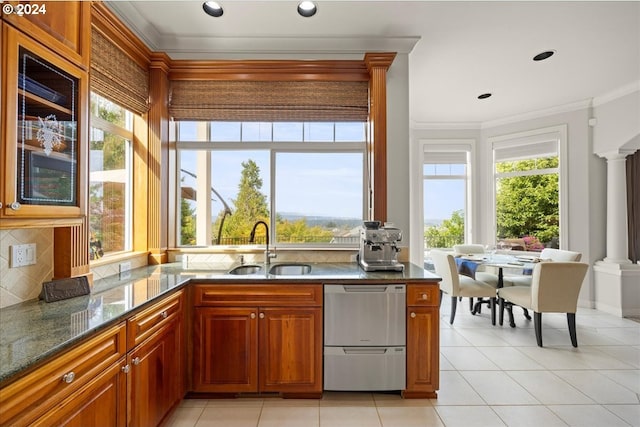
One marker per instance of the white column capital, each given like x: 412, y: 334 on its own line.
x: 619, y: 154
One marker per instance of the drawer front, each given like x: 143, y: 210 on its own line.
x: 260, y: 295
x: 32, y: 395
x: 144, y: 324
x: 423, y: 295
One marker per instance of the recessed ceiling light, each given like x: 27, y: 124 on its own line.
x: 544, y: 55
x: 484, y: 95
x: 212, y: 8
x: 307, y: 8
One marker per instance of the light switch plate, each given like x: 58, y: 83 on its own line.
x: 22, y: 255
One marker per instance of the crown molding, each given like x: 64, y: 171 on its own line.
x: 559, y: 109
x: 445, y: 125
x: 617, y: 93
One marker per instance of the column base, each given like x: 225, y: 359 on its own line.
x: 617, y: 288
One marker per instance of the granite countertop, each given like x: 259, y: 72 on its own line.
x: 33, y: 331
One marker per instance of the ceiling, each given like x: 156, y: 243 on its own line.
x: 456, y: 50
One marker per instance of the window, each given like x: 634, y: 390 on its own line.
x: 305, y: 179
x: 110, y: 177
x: 445, y: 193
x: 527, y: 192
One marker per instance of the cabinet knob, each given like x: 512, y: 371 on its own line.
x: 164, y: 314
x: 136, y: 361
x: 424, y: 296
x: 126, y: 369
x: 15, y: 206
x: 262, y: 315
x: 413, y: 315
x: 0, y: 205
x: 69, y: 377
x: 253, y: 315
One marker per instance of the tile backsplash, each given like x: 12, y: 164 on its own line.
x: 24, y: 283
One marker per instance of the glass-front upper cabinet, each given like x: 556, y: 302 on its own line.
x: 45, y: 111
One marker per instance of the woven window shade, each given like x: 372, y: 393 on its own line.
x: 117, y: 77
x: 269, y: 100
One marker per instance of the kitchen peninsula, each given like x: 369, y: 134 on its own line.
x: 143, y: 321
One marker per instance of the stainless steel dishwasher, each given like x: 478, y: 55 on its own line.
x: 364, y: 337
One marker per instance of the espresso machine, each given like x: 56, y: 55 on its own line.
x: 378, y: 247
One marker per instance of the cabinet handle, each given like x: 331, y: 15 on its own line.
x: 424, y: 296
x: 126, y: 369
x: 253, y: 315
x: 164, y: 314
x: 15, y: 206
x: 69, y: 377
x: 413, y: 315
x: 0, y: 205
x: 136, y: 361
x: 262, y: 315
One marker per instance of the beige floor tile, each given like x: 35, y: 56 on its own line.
x: 528, y: 416
x: 340, y: 398
x: 469, y: 416
x: 549, y: 389
x: 185, y: 416
x: 498, y: 388
x: 409, y: 417
x: 239, y: 402
x: 599, y: 387
x: 395, y: 399
x: 510, y: 359
x: 289, y: 417
x: 349, y: 416
x: 587, y: 416
x: 229, y: 417
x: 455, y: 390
x: 629, y: 413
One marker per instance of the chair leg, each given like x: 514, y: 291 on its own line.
x: 471, y: 305
x: 571, y: 320
x: 501, y: 317
x: 492, y: 302
x: 526, y: 313
x: 454, y: 302
x: 537, y: 325
x: 512, y: 322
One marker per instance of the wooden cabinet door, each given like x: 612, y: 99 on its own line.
x: 102, y: 402
x: 225, y: 349
x: 423, y: 361
x: 290, y: 349
x: 62, y: 26
x: 155, y: 377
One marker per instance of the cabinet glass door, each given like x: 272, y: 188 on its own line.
x: 47, y: 134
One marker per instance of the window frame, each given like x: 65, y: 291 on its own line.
x: 557, y: 134
x: 273, y: 147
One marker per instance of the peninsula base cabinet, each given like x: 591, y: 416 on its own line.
x: 258, y: 338
x: 99, y: 384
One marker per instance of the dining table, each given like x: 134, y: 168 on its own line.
x: 468, y: 265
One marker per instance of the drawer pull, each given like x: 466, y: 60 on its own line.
x: 69, y: 377
x: 164, y: 314
x: 413, y: 315
x: 136, y: 361
x: 262, y: 315
x: 126, y: 369
x: 16, y: 206
x: 253, y: 315
x: 424, y: 296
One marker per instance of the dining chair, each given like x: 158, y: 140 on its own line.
x: 457, y: 285
x: 555, y: 287
x: 480, y: 274
x: 546, y: 254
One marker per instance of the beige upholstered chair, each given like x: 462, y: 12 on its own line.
x: 546, y: 254
x: 456, y: 285
x: 481, y: 274
x: 554, y: 289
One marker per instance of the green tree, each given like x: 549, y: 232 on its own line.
x: 187, y: 223
x: 300, y: 232
x: 447, y: 234
x: 250, y: 205
x: 528, y: 205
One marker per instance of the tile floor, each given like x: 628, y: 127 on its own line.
x: 489, y: 376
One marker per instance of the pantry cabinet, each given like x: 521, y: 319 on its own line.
x: 258, y: 338
x: 45, y: 121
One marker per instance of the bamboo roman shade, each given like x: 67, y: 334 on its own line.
x: 269, y: 100
x: 116, y: 76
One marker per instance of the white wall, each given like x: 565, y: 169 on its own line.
x: 617, y: 122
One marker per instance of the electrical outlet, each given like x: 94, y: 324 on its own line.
x: 125, y: 270
x: 22, y: 255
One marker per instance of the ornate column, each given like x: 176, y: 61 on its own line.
x: 378, y: 64
x: 617, y: 232
x: 616, y: 278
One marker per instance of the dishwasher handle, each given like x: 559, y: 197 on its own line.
x: 364, y: 350
x: 365, y: 288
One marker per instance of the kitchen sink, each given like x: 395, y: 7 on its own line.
x: 292, y: 269
x: 246, y: 269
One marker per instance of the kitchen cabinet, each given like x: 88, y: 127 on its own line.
x: 258, y: 338
x: 45, y: 122
x: 423, y: 341
x: 85, y: 386
x: 62, y: 26
x: 156, y: 361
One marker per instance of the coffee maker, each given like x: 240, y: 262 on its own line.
x: 378, y: 247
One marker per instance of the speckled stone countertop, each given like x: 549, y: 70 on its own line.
x: 33, y: 331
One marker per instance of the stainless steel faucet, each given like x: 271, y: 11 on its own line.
x: 252, y: 237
